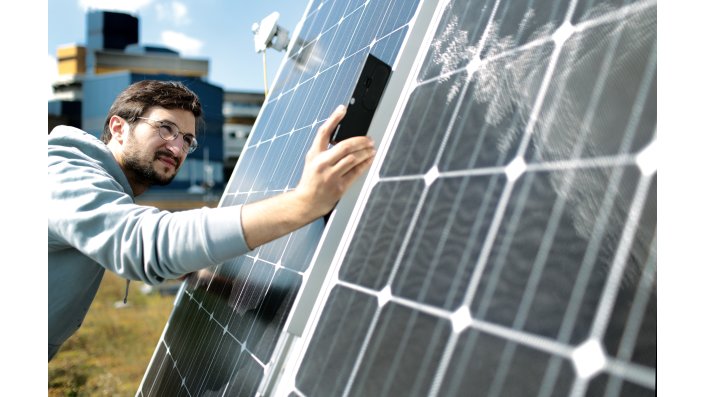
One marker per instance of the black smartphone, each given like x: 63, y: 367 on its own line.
x: 368, y: 91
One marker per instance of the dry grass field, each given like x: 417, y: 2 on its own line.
x: 109, y: 354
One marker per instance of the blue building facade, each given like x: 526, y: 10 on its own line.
x: 93, y: 76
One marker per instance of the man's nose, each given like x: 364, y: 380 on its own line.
x: 174, y: 146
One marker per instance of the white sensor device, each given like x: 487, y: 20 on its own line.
x: 269, y: 34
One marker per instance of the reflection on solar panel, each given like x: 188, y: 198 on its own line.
x: 504, y: 242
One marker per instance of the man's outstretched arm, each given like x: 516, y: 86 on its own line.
x: 327, y: 174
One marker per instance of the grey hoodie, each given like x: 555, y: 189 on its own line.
x: 94, y: 224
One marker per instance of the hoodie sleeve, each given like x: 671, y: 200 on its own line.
x: 91, y: 211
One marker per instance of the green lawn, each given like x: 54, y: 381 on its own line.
x: 109, y: 354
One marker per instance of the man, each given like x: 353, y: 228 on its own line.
x: 94, y: 223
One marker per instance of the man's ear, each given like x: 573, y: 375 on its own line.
x: 118, y: 128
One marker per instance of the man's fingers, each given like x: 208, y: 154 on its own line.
x: 327, y: 128
x: 352, y: 160
x: 348, y: 146
x: 356, y: 171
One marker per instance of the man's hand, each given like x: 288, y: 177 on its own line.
x: 327, y: 175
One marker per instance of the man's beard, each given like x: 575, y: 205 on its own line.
x: 144, y: 170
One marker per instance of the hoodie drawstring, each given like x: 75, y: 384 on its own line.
x: 127, y: 289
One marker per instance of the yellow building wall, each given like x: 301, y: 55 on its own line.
x: 71, y: 59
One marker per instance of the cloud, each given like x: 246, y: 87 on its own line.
x: 114, y: 5
x: 184, y: 44
x: 175, y: 12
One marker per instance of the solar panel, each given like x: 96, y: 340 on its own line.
x: 507, y: 245
x: 227, y: 321
x: 504, y: 241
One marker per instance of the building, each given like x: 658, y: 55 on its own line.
x: 92, y: 75
x: 240, y: 110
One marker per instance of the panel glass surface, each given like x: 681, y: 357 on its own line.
x: 508, y: 247
x: 222, y: 334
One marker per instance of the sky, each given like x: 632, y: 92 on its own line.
x: 217, y: 30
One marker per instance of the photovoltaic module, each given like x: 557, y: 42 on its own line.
x: 503, y: 242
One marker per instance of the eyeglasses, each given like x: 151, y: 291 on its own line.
x: 168, y: 131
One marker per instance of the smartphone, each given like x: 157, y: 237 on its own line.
x: 368, y: 91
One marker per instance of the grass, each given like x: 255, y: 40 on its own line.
x: 109, y: 354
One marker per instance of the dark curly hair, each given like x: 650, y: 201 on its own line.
x: 136, y: 99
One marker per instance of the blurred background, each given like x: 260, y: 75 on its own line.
x: 95, y: 50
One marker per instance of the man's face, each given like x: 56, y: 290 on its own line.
x: 149, y: 159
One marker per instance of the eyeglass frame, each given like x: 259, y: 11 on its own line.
x: 176, y: 131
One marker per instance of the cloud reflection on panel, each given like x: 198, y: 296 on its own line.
x: 566, y: 94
